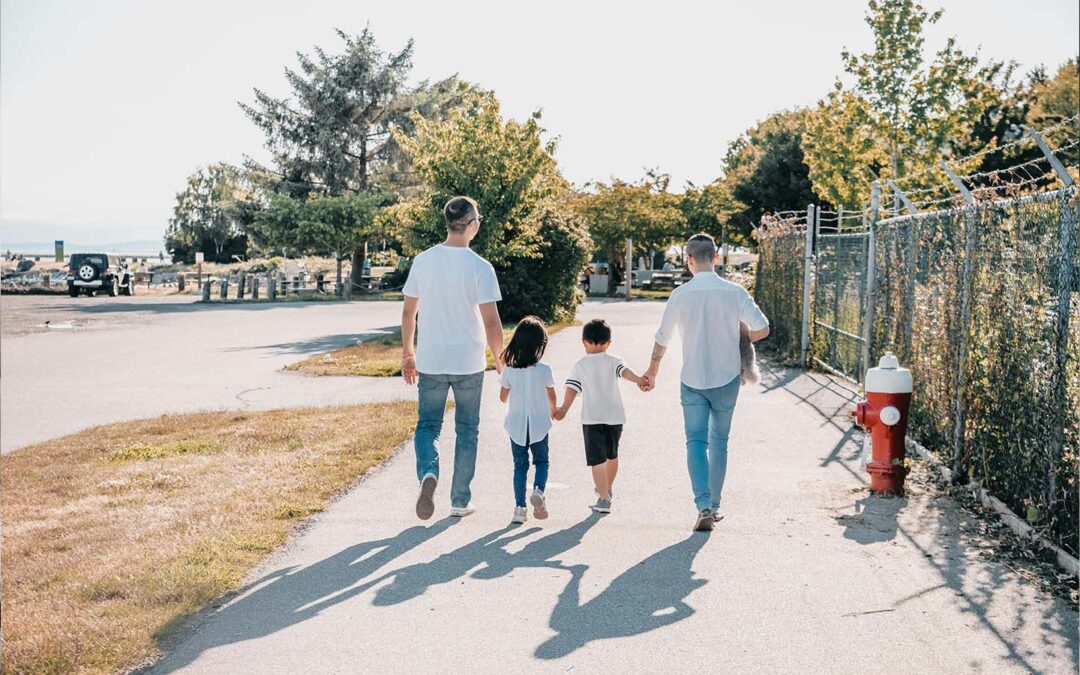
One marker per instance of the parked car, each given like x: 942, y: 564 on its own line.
x: 92, y: 272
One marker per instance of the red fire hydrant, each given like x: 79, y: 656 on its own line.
x: 884, y: 414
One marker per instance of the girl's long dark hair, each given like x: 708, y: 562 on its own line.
x: 527, y: 345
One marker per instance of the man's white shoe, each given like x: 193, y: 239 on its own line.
x: 539, y: 504
x: 521, y: 514
x: 425, y: 501
x: 462, y: 511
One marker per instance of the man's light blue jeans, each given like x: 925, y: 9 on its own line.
x: 433, y: 393
x: 707, y: 418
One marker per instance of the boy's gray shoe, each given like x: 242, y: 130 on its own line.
x: 425, y: 501
x: 704, y: 521
x: 717, y: 516
x: 602, y: 506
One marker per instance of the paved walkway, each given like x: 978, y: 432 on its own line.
x: 807, y: 573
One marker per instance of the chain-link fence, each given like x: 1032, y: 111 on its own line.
x: 839, y: 300
x: 778, y: 287
x: 977, y: 302
x: 976, y: 288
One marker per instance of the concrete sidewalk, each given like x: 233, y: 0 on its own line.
x: 807, y: 573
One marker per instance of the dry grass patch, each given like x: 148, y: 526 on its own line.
x: 114, y: 534
x: 379, y: 356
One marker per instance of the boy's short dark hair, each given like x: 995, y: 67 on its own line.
x: 597, y: 332
x: 458, y: 212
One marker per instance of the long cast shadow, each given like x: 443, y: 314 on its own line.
x: 649, y: 595
x: 289, y: 595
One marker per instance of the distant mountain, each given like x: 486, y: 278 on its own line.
x: 22, y: 236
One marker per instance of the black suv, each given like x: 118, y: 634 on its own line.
x: 92, y: 272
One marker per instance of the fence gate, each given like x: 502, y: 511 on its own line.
x: 841, y: 308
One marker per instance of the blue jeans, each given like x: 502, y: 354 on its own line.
x: 521, y: 466
x: 707, y: 418
x: 433, y: 393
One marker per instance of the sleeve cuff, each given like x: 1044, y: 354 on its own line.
x: 574, y: 384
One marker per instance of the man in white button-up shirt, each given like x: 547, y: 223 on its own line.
x: 707, y: 311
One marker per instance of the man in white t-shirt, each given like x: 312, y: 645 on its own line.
x: 455, y: 291
x: 707, y: 311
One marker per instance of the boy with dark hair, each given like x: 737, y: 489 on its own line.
x: 596, y: 377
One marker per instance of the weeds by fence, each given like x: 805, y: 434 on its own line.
x: 980, y: 299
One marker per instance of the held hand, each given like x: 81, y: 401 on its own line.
x: 650, y: 378
x: 560, y: 413
x: 408, y: 368
x: 645, y: 384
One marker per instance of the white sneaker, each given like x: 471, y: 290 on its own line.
x: 539, y: 504
x: 462, y: 511
x: 425, y: 502
x: 521, y: 514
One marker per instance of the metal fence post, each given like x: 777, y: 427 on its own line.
x: 967, y: 274
x: 871, y: 262
x: 807, y: 262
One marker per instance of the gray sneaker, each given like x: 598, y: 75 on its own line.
x: 717, y: 516
x: 539, y: 504
x: 611, y: 493
x: 425, y: 501
x: 602, y: 506
x: 704, y: 521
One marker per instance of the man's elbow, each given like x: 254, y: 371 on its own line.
x: 756, y: 335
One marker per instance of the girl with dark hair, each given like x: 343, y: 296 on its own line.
x: 529, y: 386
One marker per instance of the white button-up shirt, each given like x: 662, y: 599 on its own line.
x: 528, y: 415
x: 707, y: 310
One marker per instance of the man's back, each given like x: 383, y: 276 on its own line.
x: 707, y: 311
x: 450, y: 283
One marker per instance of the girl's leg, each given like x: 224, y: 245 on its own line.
x: 600, y: 480
x: 521, y: 472
x: 540, y: 461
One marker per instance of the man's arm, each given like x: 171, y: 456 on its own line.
x: 658, y: 351
x: 408, y: 335
x: 489, y: 312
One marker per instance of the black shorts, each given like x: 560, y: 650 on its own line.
x: 601, y: 442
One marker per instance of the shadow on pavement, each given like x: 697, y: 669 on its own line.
x: 322, y: 343
x: 951, y: 552
x: 649, y: 595
x: 289, y: 596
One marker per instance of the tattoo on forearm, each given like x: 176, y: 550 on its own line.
x: 658, y: 353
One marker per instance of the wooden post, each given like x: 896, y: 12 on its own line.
x: 271, y: 287
x: 206, y: 290
x: 807, y: 263
x: 180, y: 282
x: 241, y: 286
x: 629, y: 266
x: 225, y: 288
x: 255, y: 287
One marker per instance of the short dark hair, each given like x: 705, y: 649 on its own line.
x: 597, y: 332
x: 702, y: 248
x: 527, y: 345
x: 459, y: 211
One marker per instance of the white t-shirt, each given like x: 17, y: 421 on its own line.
x: 596, y: 378
x: 451, y: 283
x: 707, y: 310
x: 527, y: 414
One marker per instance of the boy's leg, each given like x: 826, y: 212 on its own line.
x: 467, y: 392
x: 540, y: 461
x: 600, y: 480
x: 521, y: 471
x: 614, y: 436
x: 696, y: 411
x: 432, y: 391
x: 722, y: 401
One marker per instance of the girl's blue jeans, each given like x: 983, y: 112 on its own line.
x: 521, y: 466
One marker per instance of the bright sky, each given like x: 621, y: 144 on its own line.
x: 106, y: 106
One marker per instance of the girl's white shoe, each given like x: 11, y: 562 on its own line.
x: 539, y: 504
x: 521, y: 514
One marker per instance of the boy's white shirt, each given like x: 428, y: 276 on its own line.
x: 527, y: 412
x: 707, y: 311
x: 596, y: 378
x: 451, y: 283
